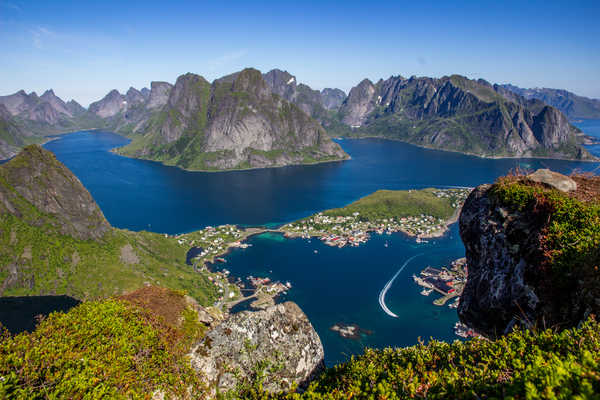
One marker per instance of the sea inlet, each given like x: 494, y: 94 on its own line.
x: 332, y: 285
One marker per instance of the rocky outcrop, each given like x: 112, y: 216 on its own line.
x: 36, y: 176
x: 312, y: 102
x: 159, y: 94
x: 279, y: 341
x: 235, y: 122
x: 512, y: 279
x: 11, y: 134
x: 110, y: 105
x: 332, y: 99
x: 359, y: 104
x: 455, y: 113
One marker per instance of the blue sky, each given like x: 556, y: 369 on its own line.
x: 82, y: 49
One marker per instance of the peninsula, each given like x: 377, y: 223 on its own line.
x: 423, y: 214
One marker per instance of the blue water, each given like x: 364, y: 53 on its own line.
x: 333, y: 285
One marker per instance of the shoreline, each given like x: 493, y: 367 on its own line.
x: 114, y: 151
x: 485, y: 157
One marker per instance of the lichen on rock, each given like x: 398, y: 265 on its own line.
x: 277, y: 347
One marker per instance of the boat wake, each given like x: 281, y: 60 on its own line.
x: 389, y: 284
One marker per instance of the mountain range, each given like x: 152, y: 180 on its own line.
x: 570, y: 104
x: 252, y: 120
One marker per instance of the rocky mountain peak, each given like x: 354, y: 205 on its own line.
x: 112, y: 104
x: 159, y: 94
x: 36, y: 176
x: 359, y: 103
x: 134, y: 96
x: 332, y: 99
x: 251, y: 80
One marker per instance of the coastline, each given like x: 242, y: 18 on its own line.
x: 115, y: 151
x: 596, y: 159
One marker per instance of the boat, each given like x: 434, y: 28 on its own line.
x: 316, y: 251
x: 221, y: 259
x: 426, y: 292
x: 385, y: 244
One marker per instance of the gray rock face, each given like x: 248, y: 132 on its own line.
x: 235, y: 122
x: 159, y: 94
x: 360, y: 102
x: 312, y: 102
x: 55, y: 102
x: 19, y: 102
x: 497, y: 295
x: 455, y: 113
x: 508, y: 283
x: 134, y: 97
x: 37, y: 176
x: 332, y: 99
x: 11, y: 134
x: 75, y: 108
x: 112, y: 104
x: 280, y: 338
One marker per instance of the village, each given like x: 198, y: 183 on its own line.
x: 208, y: 246
x: 352, y: 230
x: 449, y: 283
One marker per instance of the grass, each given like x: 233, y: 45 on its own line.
x: 397, y: 204
x: 111, y: 349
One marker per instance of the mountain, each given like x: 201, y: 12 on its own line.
x: 54, y: 239
x: 319, y: 105
x: 332, y: 99
x: 570, y: 104
x: 458, y: 114
x: 109, y: 106
x: 235, y: 122
x: 12, y: 136
x: 47, y: 114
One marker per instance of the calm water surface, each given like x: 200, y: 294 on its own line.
x: 331, y: 285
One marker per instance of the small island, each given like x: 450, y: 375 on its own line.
x: 423, y: 214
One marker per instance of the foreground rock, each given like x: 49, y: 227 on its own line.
x: 279, y: 341
x: 519, y: 273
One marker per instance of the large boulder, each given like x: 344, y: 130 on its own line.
x: 278, y: 341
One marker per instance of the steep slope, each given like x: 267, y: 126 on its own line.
x: 332, y: 99
x: 570, y: 104
x: 55, y: 240
x: 532, y: 252
x: 455, y: 113
x: 109, y: 106
x: 47, y: 114
x: 321, y: 106
x: 235, y: 122
x: 12, y: 136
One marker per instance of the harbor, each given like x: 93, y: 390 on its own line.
x: 449, y: 283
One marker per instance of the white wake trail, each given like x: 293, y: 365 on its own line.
x: 389, y: 284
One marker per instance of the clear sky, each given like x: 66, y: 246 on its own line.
x: 82, y: 49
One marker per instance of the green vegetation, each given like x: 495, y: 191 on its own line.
x: 113, y: 349
x: 45, y: 262
x: 569, y: 228
x: 521, y: 365
x: 109, y: 349
x: 403, y: 203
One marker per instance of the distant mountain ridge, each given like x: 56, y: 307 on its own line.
x: 570, y: 104
x: 450, y: 113
x: 459, y: 114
